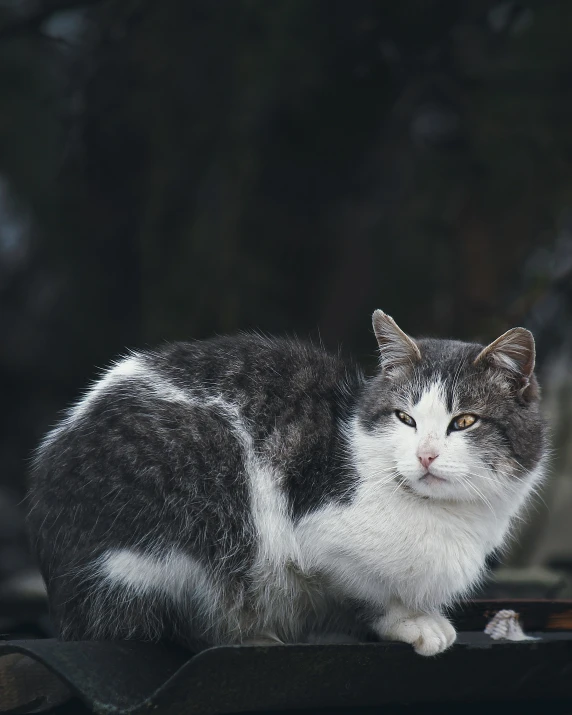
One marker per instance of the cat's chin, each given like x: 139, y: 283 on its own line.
x: 433, y: 487
x: 432, y: 479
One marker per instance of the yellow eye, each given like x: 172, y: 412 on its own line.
x: 463, y: 421
x: 405, y: 418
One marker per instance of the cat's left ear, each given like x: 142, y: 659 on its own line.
x: 513, y: 351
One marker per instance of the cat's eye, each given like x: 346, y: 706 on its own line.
x: 405, y: 418
x: 463, y: 421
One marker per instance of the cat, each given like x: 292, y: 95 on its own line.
x: 253, y: 489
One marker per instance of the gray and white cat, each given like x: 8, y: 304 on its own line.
x: 246, y: 488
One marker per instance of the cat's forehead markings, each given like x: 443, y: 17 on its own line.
x: 432, y: 404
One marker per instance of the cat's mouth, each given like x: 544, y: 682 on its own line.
x: 429, y: 478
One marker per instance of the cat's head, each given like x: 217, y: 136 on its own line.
x: 455, y: 421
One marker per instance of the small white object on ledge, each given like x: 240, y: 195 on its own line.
x: 505, y: 625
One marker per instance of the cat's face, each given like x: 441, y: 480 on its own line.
x: 453, y: 420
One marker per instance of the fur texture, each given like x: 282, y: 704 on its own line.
x: 247, y: 488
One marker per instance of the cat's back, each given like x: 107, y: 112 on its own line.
x: 153, y: 411
x: 252, y: 373
x: 239, y: 366
x: 265, y: 378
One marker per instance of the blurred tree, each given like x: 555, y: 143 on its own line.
x: 175, y: 169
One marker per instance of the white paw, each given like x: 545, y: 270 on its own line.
x: 428, y: 634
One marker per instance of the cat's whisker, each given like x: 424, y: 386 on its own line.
x: 400, y: 482
x: 467, y: 483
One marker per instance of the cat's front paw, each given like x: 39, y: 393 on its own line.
x: 428, y: 634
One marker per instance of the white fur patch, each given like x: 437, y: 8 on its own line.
x: 123, y: 370
x: 162, y: 577
x: 277, y: 546
x: 276, y: 540
x: 172, y: 575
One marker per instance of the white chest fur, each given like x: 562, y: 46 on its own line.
x: 424, y: 555
x: 391, y: 544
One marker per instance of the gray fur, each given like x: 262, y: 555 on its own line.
x: 158, y: 462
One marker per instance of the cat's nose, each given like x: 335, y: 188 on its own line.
x: 426, y: 458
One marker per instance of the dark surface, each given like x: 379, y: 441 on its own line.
x: 135, y: 677
x: 490, y: 707
x: 120, y: 677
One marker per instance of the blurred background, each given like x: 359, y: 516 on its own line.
x: 176, y: 169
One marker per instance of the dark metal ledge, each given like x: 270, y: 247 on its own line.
x: 131, y: 677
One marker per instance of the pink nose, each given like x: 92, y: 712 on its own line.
x: 426, y: 459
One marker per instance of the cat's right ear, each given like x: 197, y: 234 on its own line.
x: 513, y: 352
x: 396, y: 349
